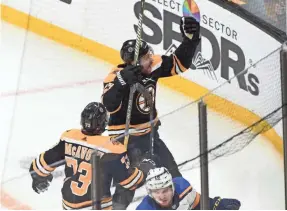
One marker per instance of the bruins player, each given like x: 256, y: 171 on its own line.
x: 74, y: 151
x: 116, y: 95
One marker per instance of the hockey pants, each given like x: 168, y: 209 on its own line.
x: 138, y: 147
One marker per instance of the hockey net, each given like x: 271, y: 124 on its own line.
x: 265, y: 113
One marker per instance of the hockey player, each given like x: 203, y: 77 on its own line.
x: 165, y: 193
x: 74, y: 151
x: 116, y: 94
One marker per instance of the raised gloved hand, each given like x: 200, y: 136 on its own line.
x: 129, y: 75
x: 41, y: 184
x: 189, y: 28
x: 225, y: 204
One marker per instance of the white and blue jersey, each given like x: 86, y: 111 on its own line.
x: 185, y: 197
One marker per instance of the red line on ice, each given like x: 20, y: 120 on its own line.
x: 48, y: 88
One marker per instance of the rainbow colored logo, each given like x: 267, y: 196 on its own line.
x: 190, y: 9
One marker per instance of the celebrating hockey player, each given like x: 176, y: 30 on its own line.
x: 167, y: 193
x: 116, y: 95
x: 74, y: 150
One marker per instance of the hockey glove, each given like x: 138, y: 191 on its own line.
x: 225, y: 204
x: 189, y: 28
x: 129, y: 75
x: 146, y: 165
x: 41, y: 184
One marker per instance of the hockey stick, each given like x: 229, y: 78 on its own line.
x: 151, y: 127
x: 140, y: 88
x: 133, y: 87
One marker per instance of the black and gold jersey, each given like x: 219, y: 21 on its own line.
x: 74, y: 150
x: 115, y: 96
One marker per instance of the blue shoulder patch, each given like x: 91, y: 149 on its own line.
x: 181, y: 185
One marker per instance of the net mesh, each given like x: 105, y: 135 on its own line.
x: 244, y: 124
x: 273, y: 12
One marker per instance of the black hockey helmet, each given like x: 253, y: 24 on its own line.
x: 94, y: 119
x: 128, y: 50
